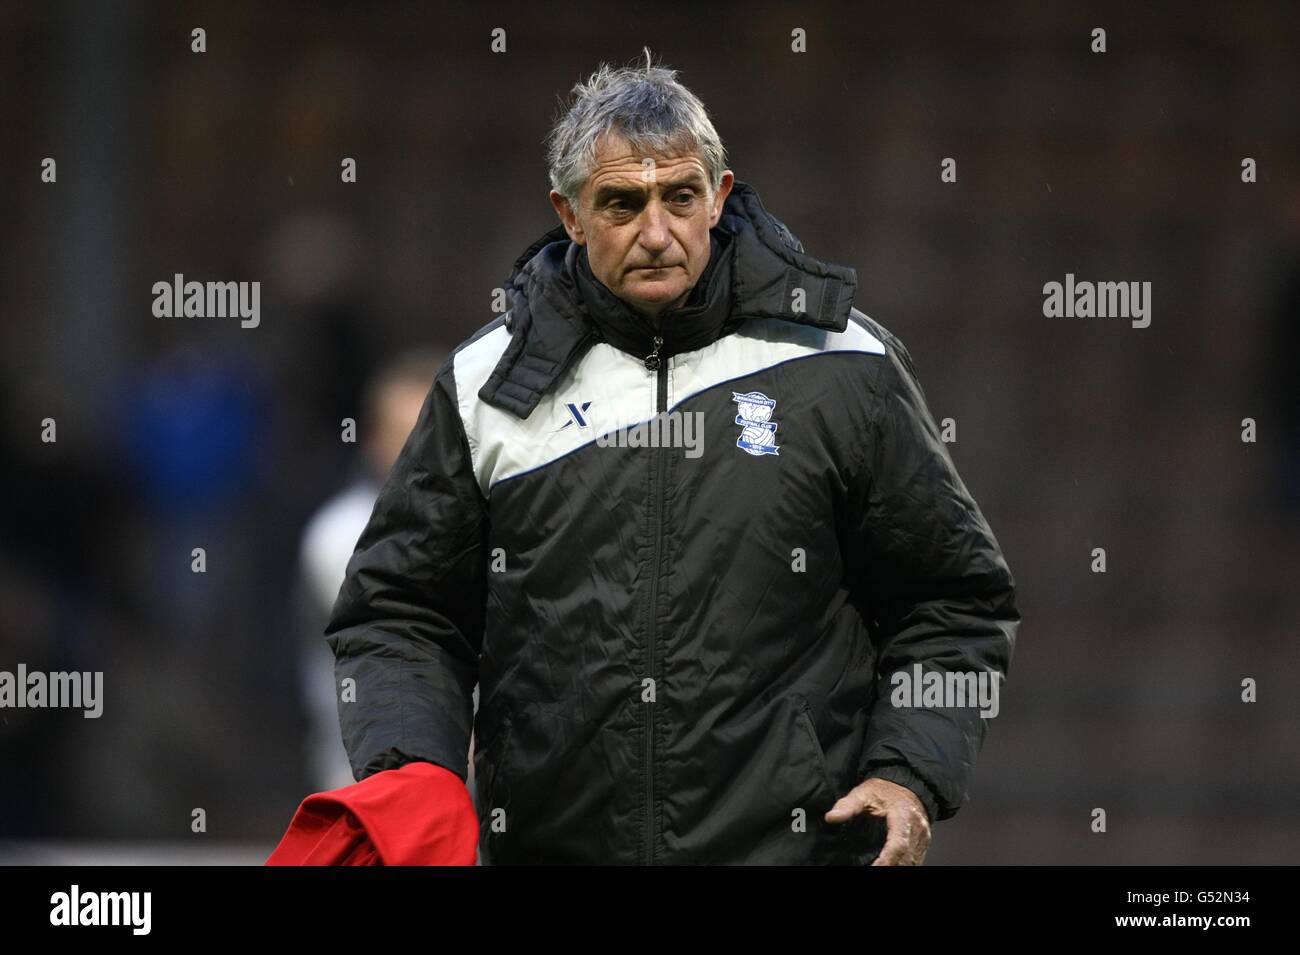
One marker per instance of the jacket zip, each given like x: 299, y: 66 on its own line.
x: 655, y: 363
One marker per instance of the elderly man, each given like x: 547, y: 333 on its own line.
x: 684, y: 656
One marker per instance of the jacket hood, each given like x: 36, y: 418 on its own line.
x: 549, y: 326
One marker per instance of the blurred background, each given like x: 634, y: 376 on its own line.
x: 1125, y: 690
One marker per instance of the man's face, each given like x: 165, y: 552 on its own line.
x: 645, y: 221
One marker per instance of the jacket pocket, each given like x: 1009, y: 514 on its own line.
x: 491, y: 799
x: 803, y: 716
x: 495, y: 768
x: 857, y: 841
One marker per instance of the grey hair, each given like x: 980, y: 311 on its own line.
x: 646, y: 106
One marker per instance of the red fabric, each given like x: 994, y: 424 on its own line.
x: 420, y: 814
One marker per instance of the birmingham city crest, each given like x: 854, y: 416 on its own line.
x: 757, y: 429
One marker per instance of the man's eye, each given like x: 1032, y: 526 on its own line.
x: 686, y: 196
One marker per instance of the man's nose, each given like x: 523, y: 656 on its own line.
x: 655, y: 236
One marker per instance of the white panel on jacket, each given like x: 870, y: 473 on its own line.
x: 608, y: 389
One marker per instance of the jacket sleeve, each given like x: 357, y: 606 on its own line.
x: 407, y: 626
x: 934, y: 583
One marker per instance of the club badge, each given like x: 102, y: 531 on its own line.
x: 757, y: 429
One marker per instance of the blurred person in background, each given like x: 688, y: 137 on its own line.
x: 391, y: 406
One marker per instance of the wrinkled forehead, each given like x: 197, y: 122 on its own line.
x: 621, y: 164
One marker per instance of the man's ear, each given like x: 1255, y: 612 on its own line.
x: 568, y: 217
x: 719, y: 200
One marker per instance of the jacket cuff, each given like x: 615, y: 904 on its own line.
x: 903, y: 775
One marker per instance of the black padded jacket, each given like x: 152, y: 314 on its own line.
x: 681, y: 573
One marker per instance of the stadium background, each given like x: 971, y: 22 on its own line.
x: 175, y: 433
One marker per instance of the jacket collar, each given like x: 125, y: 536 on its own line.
x: 699, y: 321
x: 756, y: 264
